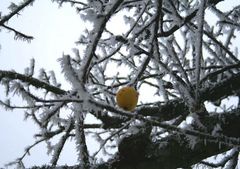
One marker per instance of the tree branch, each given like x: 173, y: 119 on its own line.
x: 174, y: 108
x: 186, y: 20
x: 96, y: 33
x: 19, y: 35
x: 31, y: 80
x: 223, y: 89
x: 15, y: 12
x: 177, y: 146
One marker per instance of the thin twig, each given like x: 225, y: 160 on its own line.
x: 111, y: 136
x: 15, y: 12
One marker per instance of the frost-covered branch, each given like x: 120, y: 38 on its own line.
x: 159, y: 151
x: 83, y: 154
x: 15, y: 9
x: 175, y: 108
x: 19, y: 161
x: 220, y: 139
x: 234, y: 152
x: 95, y: 36
x: 58, y: 148
x: 198, y: 46
x: 19, y: 35
x: 8, y: 105
x: 165, y: 47
x: 223, y: 89
x: 70, y: 1
x: 154, y: 29
x: 31, y: 80
x: 217, y: 72
x: 111, y: 136
x: 186, y: 20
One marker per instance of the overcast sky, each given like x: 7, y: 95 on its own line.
x: 55, y: 31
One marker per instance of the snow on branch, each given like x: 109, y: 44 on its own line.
x: 159, y: 152
x: 15, y: 9
x: 234, y: 152
x: 95, y: 35
x: 33, y: 81
x: 153, y: 29
x: 49, y: 113
x: 164, y: 47
x: 83, y: 154
x: 70, y: 1
x: 19, y: 161
x: 198, y: 45
x: 69, y: 72
x: 19, y: 35
x: 220, y: 139
x: 59, y: 146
